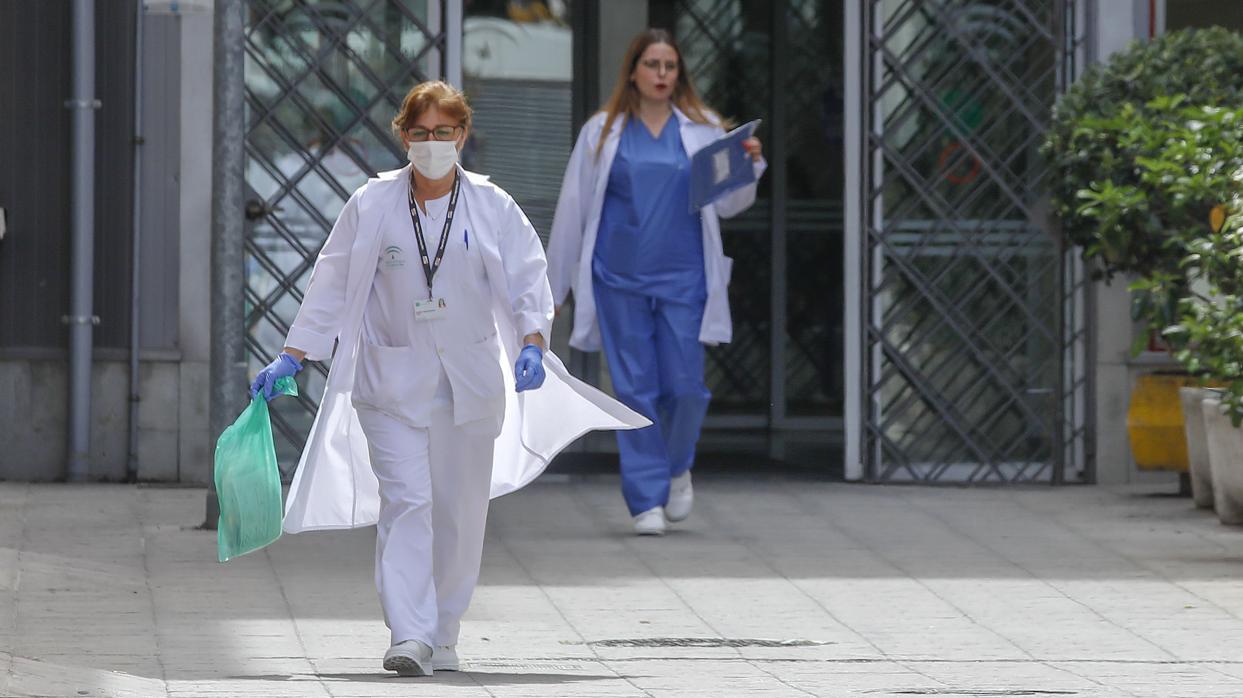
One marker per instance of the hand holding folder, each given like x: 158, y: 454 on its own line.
x: 721, y: 167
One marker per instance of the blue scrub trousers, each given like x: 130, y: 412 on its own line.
x: 657, y: 366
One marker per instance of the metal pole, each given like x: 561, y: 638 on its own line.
x: 81, y: 318
x: 852, y: 255
x: 453, y: 43
x: 131, y: 468
x: 777, y: 175
x: 228, y: 359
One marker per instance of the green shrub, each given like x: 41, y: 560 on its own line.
x: 1097, y: 140
x: 1207, y: 330
x: 1187, y: 160
x: 1143, y: 149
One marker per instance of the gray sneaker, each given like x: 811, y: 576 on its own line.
x: 409, y: 658
x: 444, y: 658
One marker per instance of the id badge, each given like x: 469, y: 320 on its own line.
x: 430, y: 309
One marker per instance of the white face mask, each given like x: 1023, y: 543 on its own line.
x: 433, y: 159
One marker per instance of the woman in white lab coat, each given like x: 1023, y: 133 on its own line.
x: 430, y: 287
x: 649, y: 275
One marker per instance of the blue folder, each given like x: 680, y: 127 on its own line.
x: 721, y: 167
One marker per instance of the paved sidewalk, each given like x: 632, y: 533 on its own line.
x: 776, y: 587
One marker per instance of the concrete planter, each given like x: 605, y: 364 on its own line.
x: 1225, y: 448
x: 1197, y: 446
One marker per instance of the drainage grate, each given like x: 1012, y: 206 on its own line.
x: 704, y: 642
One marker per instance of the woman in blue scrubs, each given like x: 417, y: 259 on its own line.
x: 648, y: 274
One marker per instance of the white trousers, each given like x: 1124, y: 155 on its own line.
x: 434, y: 486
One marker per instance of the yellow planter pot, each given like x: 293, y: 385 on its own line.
x: 1154, y: 422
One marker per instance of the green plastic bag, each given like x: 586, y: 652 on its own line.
x: 248, y: 481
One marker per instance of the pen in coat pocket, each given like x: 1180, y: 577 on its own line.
x: 466, y: 237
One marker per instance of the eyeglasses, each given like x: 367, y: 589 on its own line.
x: 655, y: 64
x: 443, y: 132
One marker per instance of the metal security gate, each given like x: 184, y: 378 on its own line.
x: 324, y: 79
x: 972, y: 358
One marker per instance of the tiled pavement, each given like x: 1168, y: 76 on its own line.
x: 775, y: 587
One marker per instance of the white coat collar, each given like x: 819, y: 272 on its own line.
x: 403, y: 175
x: 613, y: 136
x: 391, y: 186
x: 683, y: 119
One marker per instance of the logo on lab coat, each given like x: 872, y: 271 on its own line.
x: 393, y: 257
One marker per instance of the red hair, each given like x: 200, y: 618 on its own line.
x: 447, y: 99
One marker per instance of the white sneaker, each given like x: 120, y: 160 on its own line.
x: 681, y: 498
x: 650, y: 522
x: 409, y: 658
x: 444, y: 658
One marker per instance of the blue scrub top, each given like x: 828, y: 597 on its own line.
x: 648, y: 241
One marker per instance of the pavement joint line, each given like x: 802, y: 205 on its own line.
x: 918, y: 504
x: 1084, y: 677
x: 504, y: 543
x: 962, y: 611
x: 665, y: 582
x: 919, y: 660
x: 1086, y: 535
x: 467, y: 667
x: 593, y: 515
x: 1219, y: 672
x: 15, y: 598
x: 758, y: 555
x: 803, y: 507
x: 293, y: 619
x: 138, y: 501
x: 966, y: 535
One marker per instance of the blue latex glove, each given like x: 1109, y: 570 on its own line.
x: 282, y: 367
x: 529, y: 369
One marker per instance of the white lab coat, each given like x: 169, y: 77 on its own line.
x: 577, y: 220
x: 334, y: 486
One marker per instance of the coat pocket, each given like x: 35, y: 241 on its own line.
x: 478, y: 379
x: 391, y: 376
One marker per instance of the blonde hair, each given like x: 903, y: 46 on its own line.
x: 434, y: 93
x: 625, y: 97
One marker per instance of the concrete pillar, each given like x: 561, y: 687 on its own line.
x: 1118, y: 23
x: 196, y: 441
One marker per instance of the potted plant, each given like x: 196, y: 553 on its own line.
x: 1195, y: 159
x: 1208, y: 335
x: 1134, y: 202
x: 1225, y: 446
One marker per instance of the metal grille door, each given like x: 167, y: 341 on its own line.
x: 323, y: 81
x: 973, y: 347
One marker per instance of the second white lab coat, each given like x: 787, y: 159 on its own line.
x: 334, y: 486
x: 577, y: 220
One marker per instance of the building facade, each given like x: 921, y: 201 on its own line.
x: 902, y: 309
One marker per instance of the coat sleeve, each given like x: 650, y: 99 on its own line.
x: 526, y: 271
x: 318, y: 322
x: 565, y: 241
